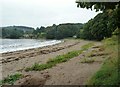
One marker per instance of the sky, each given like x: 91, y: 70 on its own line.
x: 36, y: 13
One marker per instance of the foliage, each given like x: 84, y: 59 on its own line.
x: 52, y: 62
x: 51, y: 32
x: 15, y: 32
x: 62, y: 31
x: 108, y: 74
x: 11, y: 79
x: 103, y: 25
x: 58, y: 31
x: 39, y: 67
x: 116, y: 32
x: 39, y: 32
x: 59, y: 59
x: 98, y: 5
x: 85, y: 47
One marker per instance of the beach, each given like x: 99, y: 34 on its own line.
x: 65, y: 73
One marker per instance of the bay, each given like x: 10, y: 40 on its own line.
x: 10, y: 45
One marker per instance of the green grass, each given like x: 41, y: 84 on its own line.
x: 108, y: 73
x: 85, y: 47
x: 11, y: 79
x: 87, y: 60
x: 59, y: 59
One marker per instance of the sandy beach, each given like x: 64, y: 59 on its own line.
x: 69, y: 73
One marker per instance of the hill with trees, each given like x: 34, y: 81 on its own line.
x: 50, y: 32
x: 58, y: 31
x: 16, y: 32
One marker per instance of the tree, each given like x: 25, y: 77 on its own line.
x: 104, y: 23
x: 42, y: 29
x: 99, y: 27
x: 98, y: 5
x: 62, y: 30
x: 103, y: 6
x: 16, y: 34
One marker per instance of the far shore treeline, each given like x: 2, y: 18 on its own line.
x: 101, y: 26
x: 51, y: 32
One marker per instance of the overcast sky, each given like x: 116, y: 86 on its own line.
x: 36, y: 13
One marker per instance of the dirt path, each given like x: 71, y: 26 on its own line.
x: 72, y: 72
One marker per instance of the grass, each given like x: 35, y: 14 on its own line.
x: 11, y: 79
x: 87, y: 60
x: 85, y: 47
x: 59, y: 59
x: 108, y: 73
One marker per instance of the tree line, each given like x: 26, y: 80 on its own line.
x: 16, y: 32
x: 101, y: 26
x: 58, y: 31
x: 51, y: 32
x: 104, y: 24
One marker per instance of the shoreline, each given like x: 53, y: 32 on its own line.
x: 22, y: 48
x: 61, y: 73
x: 17, y: 61
x: 62, y: 41
x: 21, y: 54
x: 67, y: 73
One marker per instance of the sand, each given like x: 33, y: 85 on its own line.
x: 71, y: 72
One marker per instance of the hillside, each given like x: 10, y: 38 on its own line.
x: 15, y: 32
x: 23, y: 28
x: 58, y: 31
x: 50, y: 32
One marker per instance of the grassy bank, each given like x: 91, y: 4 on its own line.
x: 59, y: 59
x: 108, y: 74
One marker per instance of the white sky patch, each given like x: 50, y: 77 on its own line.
x: 36, y: 13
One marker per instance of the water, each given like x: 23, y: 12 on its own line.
x: 10, y: 45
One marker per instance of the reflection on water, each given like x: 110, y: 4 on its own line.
x: 9, y: 45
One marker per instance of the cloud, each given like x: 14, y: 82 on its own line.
x: 38, y: 13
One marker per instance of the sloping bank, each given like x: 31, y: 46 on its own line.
x: 108, y: 74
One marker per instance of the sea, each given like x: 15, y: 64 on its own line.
x: 11, y: 45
